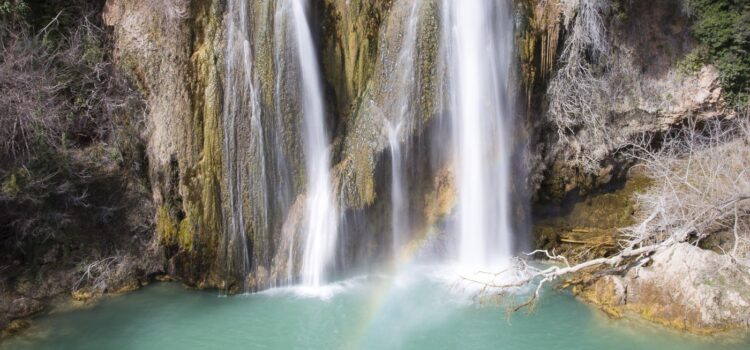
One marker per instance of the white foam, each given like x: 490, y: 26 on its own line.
x: 322, y: 292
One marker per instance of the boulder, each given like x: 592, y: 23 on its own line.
x: 683, y: 287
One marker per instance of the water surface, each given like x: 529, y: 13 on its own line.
x: 379, y: 312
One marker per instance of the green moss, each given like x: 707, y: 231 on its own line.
x: 610, y: 210
x: 185, y: 234
x: 173, y: 232
x: 692, y: 63
x: 166, y: 226
x: 13, y: 184
x: 428, y: 48
x: 591, y: 227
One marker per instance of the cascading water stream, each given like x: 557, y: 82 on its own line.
x: 321, y: 217
x: 398, y: 197
x: 477, y: 43
x: 240, y: 101
x: 400, y: 115
x: 476, y: 51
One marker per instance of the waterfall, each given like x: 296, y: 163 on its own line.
x: 261, y: 143
x: 320, y: 213
x: 240, y: 101
x: 399, y: 213
x: 400, y: 85
x: 272, y: 129
x: 477, y: 44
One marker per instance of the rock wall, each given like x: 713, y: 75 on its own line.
x: 171, y: 49
x: 640, y: 89
x: 585, y: 189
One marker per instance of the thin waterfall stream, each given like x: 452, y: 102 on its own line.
x: 321, y: 218
x: 399, y: 214
x: 240, y: 102
x: 400, y: 114
x: 258, y: 174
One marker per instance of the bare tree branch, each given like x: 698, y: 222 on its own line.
x: 701, y: 189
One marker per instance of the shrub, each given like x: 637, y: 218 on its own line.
x: 13, y: 9
x: 69, y: 123
x: 701, y: 188
x: 723, y: 26
x: 693, y: 61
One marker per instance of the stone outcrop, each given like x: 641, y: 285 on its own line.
x: 683, y: 287
x: 645, y: 91
x: 589, y: 227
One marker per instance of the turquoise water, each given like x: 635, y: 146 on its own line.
x: 419, y: 312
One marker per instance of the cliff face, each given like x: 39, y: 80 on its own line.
x: 623, y: 75
x: 171, y: 49
x: 177, y: 52
x: 597, y: 76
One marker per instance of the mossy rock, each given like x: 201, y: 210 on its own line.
x: 591, y: 227
x: 16, y: 326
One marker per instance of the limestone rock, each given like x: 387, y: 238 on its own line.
x: 645, y: 93
x: 170, y: 49
x: 684, y: 287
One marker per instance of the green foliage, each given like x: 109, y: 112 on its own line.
x: 621, y: 8
x: 723, y: 26
x: 14, y: 9
x: 13, y: 185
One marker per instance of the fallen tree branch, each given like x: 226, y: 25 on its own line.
x: 700, y: 190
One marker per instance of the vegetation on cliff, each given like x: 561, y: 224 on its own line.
x: 72, y: 162
x: 723, y: 26
x: 67, y: 117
